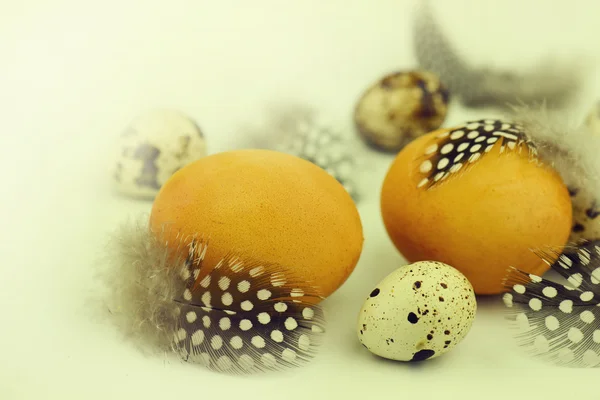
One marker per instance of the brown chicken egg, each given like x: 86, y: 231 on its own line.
x: 476, y: 197
x: 266, y: 206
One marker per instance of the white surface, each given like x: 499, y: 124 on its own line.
x: 72, y: 75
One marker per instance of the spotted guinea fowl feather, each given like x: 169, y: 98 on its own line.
x: 244, y: 316
x: 238, y: 316
x: 456, y: 150
x: 559, y: 323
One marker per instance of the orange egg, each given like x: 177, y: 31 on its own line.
x: 476, y: 197
x: 266, y: 206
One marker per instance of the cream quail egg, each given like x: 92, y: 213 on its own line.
x: 152, y: 148
x: 420, y: 311
x: 586, y: 213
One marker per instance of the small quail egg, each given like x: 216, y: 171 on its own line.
x: 586, y: 210
x: 418, y: 312
x: 152, y: 148
x: 401, y: 107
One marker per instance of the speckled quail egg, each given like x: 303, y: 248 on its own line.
x: 586, y: 209
x: 401, y: 107
x: 418, y: 312
x: 152, y: 148
x: 586, y: 213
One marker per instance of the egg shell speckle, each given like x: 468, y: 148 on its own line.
x: 420, y: 311
x: 152, y: 148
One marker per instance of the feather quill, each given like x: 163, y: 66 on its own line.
x: 239, y: 316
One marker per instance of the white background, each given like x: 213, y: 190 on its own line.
x: 72, y: 75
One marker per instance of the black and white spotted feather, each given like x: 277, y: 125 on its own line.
x: 239, y: 316
x: 456, y: 150
x: 554, y: 321
x: 554, y: 81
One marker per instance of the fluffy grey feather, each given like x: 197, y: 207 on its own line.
x: 141, y: 283
x: 569, y: 146
x: 572, y: 149
x: 238, y: 316
x: 555, y: 81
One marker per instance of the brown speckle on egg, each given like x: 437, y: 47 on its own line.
x: 422, y: 355
x: 412, y: 318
